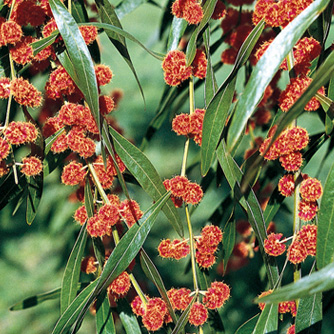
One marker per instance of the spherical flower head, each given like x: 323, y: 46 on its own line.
x: 25, y: 93
x: 106, y: 104
x: 241, y: 249
x: 181, y: 124
x: 287, y: 307
x: 286, y: 185
x: 77, y: 142
x: 89, y: 33
x: 269, y: 154
x: 4, y: 149
x: 121, y: 285
x: 307, y: 210
x: 291, y: 329
x: 178, y: 185
x: 72, y: 114
x: 130, y: 212
x: 220, y: 11
x: 109, y: 214
x: 203, y: 246
x: 51, y: 126
x: 153, y: 318
x: 4, y: 88
x: 103, y: 74
x: 179, y: 298
x: 22, y: 51
x: 205, y: 260
x: 137, y: 306
x: 73, y: 173
x: 32, y: 166
x: 212, y: 235
x: 80, y: 215
x: 28, y: 12
x: 165, y: 249
x: 297, y: 139
x: 216, y: 295
x: 196, y: 125
x: 49, y: 28
x: 111, y: 169
x: 175, y: 68
x: 308, y: 235
x: 179, y: 249
x: 297, y: 251
x: 190, y: 10
x: 199, y: 64
x: 310, y: 189
x: 11, y: 32
x: 178, y: 201
x: 193, y: 193
x: 16, y: 133
x: 198, y: 314
x: 88, y: 265
x: 272, y: 246
x: 96, y: 227
x: 291, y: 162
x: 60, y: 144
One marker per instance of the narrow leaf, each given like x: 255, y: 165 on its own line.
x: 128, y: 318
x: 35, y: 190
x: 268, y: 320
x: 325, y: 234
x: 320, y: 281
x: 36, y: 300
x: 248, y: 326
x: 72, y: 271
x: 271, y: 60
x: 228, y: 241
x: 104, y: 319
x: 127, y: 6
x: 177, y: 30
x: 309, y: 314
x: 78, y: 52
x: 147, y: 176
x: 124, y: 253
x: 183, y: 320
x: 41, y: 44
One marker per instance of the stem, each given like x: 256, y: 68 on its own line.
x: 192, y: 249
x: 296, y: 224
x: 184, y: 159
x: 70, y: 6
x: 98, y: 184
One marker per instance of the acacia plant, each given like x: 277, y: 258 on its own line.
x: 248, y: 88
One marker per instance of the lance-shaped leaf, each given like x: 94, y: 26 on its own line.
x: 267, y: 66
x: 36, y: 300
x: 146, y: 175
x: 68, y: 318
x: 152, y: 274
x: 217, y: 110
x: 250, y: 204
x: 80, y: 57
x: 248, y: 326
x: 41, y: 44
x: 325, y: 234
x: 104, y: 319
x: 124, y: 253
x: 34, y: 195
x: 109, y: 16
x: 320, y: 281
x: 72, y: 271
x: 208, y: 9
x: 268, y: 320
x: 177, y: 30
x: 127, y: 6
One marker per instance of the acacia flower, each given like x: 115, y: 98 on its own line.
x: 181, y: 124
x: 31, y: 166
x: 272, y: 246
x: 88, y: 265
x: 109, y: 214
x: 190, y: 10
x: 22, y: 51
x: 291, y: 329
x: 286, y: 185
x: 310, y: 189
x: 193, y: 193
x: 11, y: 32
x: 25, y: 93
x: 17, y: 133
x: 307, y: 210
x: 178, y: 185
x: 130, y: 212
x: 73, y: 173
x: 297, y: 251
x: 96, y: 227
x: 175, y: 68
x: 89, y: 33
x: 308, y: 235
x: 4, y: 88
x: 121, y: 285
x: 153, y: 318
x: 179, y: 298
x: 105, y: 178
x: 103, y: 74
x: 212, y: 235
x: 106, y: 104
x: 28, y: 12
x: 216, y: 295
x: 205, y: 260
x: 291, y: 162
x: 198, y: 314
x: 80, y: 215
x: 4, y: 149
x: 199, y: 64
x: 177, y: 249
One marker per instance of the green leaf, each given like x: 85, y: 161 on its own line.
x: 268, y: 320
x: 79, y: 55
x: 183, y: 320
x: 309, y: 314
x: 320, y: 281
x: 248, y: 326
x: 71, y: 275
x: 127, y: 6
x: 217, y: 110
x: 41, y: 44
x: 177, y: 30
x: 104, y: 319
x: 228, y: 241
x: 208, y: 9
x: 68, y: 318
x: 4, y: 63
x: 128, y: 318
x: 270, y: 61
x: 36, y: 300
x: 152, y: 274
x: 147, y: 176
x: 250, y: 204
x: 34, y: 195
x: 325, y: 234
x: 124, y: 253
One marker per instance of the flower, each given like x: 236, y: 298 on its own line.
x: 190, y: 10
x: 25, y: 93
x: 17, y: 133
x: 310, y: 189
x: 193, y: 193
x: 297, y: 251
x: 291, y: 162
x: 198, y: 314
x: 96, y: 227
x: 121, y: 285
x: 272, y: 246
x: 103, y: 74
x: 89, y: 33
x: 73, y: 173
x: 175, y: 68
x: 179, y: 298
x: 11, y: 32
x: 286, y: 185
x: 109, y: 214
x: 153, y: 318
x: 216, y: 295
x: 130, y: 212
x: 32, y: 166
x: 88, y: 265
x: 212, y: 235
x: 4, y: 88
x: 199, y: 64
x: 307, y: 210
x: 4, y: 149
x: 80, y: 215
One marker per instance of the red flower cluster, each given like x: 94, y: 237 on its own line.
x: 119, y: 287
x: 190, y: 125
x: 207, y: 244
x: 179, y: 298
x: 88, y: 265
x: 286, y: 185
x: 190, y: 10
x: 216, y: 295
x: 198, y: 314
x: 303, y: 245
x: 286, y: 147
x: 25, y: 93
x: 177, y: 249
x: 183, y: 190
x: 73, y: 173
x: 31, y: 166
x: 17, y: 133
x: 273, y: 246
x: 283, y: 307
